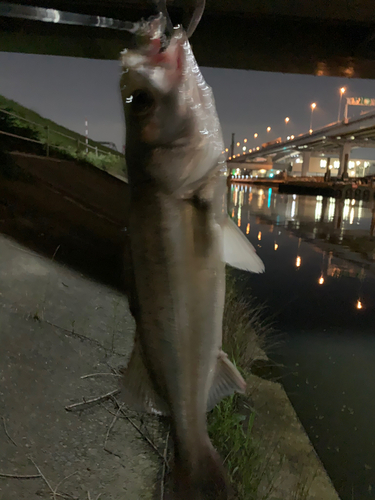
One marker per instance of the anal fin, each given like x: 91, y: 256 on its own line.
x: 137, y: 388
x: 227, y: 380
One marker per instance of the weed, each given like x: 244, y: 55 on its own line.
x: 230, y: 422
x: 230, y: 431
x: 63, y: 143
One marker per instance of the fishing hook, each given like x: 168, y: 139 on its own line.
x: 197, y: 15
x: 162, y: 6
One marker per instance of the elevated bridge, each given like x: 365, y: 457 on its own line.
x: 336, y: 139
x: 313, y: 37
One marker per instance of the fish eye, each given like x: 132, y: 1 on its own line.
x: 142, y: 102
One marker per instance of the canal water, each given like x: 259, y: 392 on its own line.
x: 319, y: 288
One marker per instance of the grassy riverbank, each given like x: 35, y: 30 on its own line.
x: 230, y: 422
x: 62, y: 143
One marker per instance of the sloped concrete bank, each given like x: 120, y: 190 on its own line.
x: 297, y: 472
x: 55, y: 328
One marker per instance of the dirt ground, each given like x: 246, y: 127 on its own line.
x: 56, y: 327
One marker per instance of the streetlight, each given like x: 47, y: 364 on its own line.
x: 313, y: 106
x: 238, y: 144
x: 255, y: 135
x: 287, y: 119
x: 342, y: 91
x: 268, y: 129
x: 245, y: 141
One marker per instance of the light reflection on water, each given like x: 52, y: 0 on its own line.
x: 319, y: 285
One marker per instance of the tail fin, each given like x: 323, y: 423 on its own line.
x: 206, y: 480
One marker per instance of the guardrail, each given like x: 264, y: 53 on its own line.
x: 77, y: 144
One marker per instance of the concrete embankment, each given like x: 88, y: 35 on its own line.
x: 55, y: 328
x: 47, y: 204
x: 295, y: 470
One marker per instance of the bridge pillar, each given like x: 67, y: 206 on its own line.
x: 327, y: 175
x: 306, y: 155
x: 344, y: 160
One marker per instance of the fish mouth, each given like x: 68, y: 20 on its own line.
x: 155, y: 34
x: 157, y: 63
x: 159, y: 45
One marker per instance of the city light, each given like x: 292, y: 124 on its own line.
x: 230, y: 158
x: 248, y: 229
x: 268, y: 129
x: 238, y: 144
x: 342, y: 91
x: 313, y: 106
x: 359, y: 304
x: 258, y: 148
x: 276, y: 246
x: 226, y: 150
x: 260, y: 235
x: 292, y: 137
x: 244, y: 148
x: 287, y: 119
x: 298, y: 261
x: 255, y: 135
x: 245, y: 141
x: 321, y: 280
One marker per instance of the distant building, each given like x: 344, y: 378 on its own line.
x: 318, y: 166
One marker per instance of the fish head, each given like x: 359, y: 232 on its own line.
x: 170, y: 113
x: 150, y: 90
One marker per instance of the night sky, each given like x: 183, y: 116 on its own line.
x: 67, y: 90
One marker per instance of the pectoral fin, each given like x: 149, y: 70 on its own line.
x: 238, y: 251
x: 227, y: 380
x: 138, y: 390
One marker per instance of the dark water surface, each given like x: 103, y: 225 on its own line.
x: 319, y: 287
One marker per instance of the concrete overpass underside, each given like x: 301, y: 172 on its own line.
x: 316, y: 37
